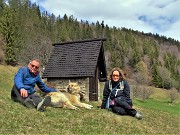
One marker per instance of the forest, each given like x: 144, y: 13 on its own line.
x: 26, y: 32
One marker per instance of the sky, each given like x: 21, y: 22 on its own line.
x: 155, y: 16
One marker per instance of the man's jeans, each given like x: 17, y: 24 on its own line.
x: 31, y: 101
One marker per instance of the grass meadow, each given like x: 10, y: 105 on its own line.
x: 160, y: 117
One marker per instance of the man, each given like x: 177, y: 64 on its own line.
x: 23, y: 90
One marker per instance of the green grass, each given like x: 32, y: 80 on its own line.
x: 160, y: 117
x: 160, y: 105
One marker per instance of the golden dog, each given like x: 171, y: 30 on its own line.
x: 69, y: 99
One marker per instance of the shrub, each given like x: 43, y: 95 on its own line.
x: 141, y: 92
x: 173, y: 94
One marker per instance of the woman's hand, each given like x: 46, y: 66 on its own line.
x: 101, y: 107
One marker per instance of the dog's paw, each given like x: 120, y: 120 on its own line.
x: 89, y: 106
x: 77, y: 108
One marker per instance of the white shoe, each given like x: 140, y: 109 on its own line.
x: 138, y: 116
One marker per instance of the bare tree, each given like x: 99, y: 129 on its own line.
x: 165, y: 74
x: 142, y: 75
x: 141, y: 92
x: 1, y: 50
x: 108, y: 57
x: 39, y: 47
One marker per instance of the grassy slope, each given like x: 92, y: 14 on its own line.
x: 16, y: 119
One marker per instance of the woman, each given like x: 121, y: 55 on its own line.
x: 116, y: 95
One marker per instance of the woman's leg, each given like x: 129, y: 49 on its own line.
x: 122, y: 103
x: 119, y: 110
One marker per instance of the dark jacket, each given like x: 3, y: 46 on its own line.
x: 125, y: 93
x: 27, y: 80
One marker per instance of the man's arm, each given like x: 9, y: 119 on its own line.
x: 43, y: 87
x: 18, y: 81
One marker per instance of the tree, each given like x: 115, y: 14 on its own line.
x: 165, y: 74
x: 8, y: 28
x: 142, y: 75
x: 2, y: 5
x: 156, y: 78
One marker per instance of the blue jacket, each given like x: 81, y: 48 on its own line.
x: 27, y: 80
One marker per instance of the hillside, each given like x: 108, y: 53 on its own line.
x: 160, y: 117
x: 27, y: 33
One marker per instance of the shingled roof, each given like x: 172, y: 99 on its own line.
x: 76, y: 59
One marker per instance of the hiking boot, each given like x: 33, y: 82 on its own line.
x: 44, y: 103
x: 29, y: 103
x: 138, y: 116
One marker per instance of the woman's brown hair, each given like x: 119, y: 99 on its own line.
x: 122, y: 76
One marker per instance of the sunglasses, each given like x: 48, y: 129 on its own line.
x: 36, y: 67
x: 115, y: 75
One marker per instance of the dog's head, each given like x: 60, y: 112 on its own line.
x: 73, y: 88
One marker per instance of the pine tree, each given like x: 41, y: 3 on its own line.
x: 8, y: 29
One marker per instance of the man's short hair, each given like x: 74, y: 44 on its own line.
x: 37, y: 60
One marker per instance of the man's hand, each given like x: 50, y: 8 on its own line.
x: 24, y: 93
